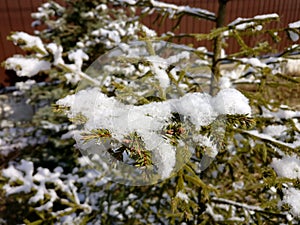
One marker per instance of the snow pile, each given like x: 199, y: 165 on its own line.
x: 148, y: 120
x: 26, y: 66
x: 28, y: 41
x: 275, y: 130
x: 291, y: 197
x: 231, y: 101
x: 288, y: 166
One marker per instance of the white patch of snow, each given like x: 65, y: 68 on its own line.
x: 23, y: 86
x: 295, y: 25
x: 275, y: 130
x: 292, y: 67
x: 78, y: 57
x: 182, y: 196
x: 148, y: 32
x: 26, y: 66
x: 255, y: 62
x: 231, y: 101
x: 158, y: 67
x: 56, y: 50
x: 30, y: 41
x: 280, y: 113
x: 288, y: 166
x: 275, y: 141
x: 291, y: 197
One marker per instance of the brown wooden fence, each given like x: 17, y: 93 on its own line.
x: 15, y: 16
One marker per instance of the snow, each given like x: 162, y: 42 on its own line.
x: 266, y: 16
x: 148, y: 32
x: 36, y: 183
x: 289, y: 167
x: 275, y: 130
x: 57, y: 51
x: 294, y: 36
x: 179, y: 9
x: 225, y: 82
x: 280, y: 113
x: 24, y: 86
x: 78, y: 56
x: 275, y: 141
x: 130, y: 2
x: 197, y: 108
x: 26, y: 66
x: 244, y: 26
x: 295, y: 25
x: 159, y: 68
x: 240, y: 20
x: 255, y: 62
x: 102, y: 7
x: 112, y: 35
x: 182, y: 196
x: 176, y: 58
x: 30, y: 41
x: 23, y: 173
x: 149, y: 120
x: 231, y: 101
x: 291, y: 197
x: 292, y: 67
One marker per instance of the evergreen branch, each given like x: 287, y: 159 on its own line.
x: 269, y: 140
x: 95, y: 134
x: 174, y: 9
x: 245, y: 206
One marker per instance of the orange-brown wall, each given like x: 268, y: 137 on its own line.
x: 15, y: 16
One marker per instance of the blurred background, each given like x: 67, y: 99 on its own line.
x: 15, y: 15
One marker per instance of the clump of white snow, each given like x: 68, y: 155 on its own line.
x: 56, y: 50
x: 78, y: 57
x: 23, y: 86
x: 26, y: 66
x: 291, y: 197
x: 28, y: 41
x: 293, y: 35
x: 231, y: 101
x: 182, y: 196
x: 288, y: 166
x: 255, y: 62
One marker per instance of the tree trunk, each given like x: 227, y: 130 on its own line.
x: 217, y: 48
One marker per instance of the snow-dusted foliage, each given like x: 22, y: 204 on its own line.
x: 149, y: 120
x: 220, y: 148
